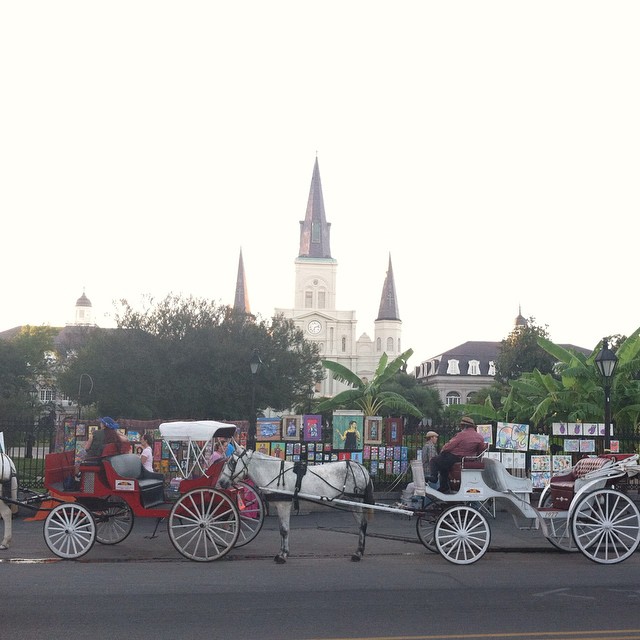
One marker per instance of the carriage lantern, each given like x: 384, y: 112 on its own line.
x: 606, y: 361
x: 255, y: 365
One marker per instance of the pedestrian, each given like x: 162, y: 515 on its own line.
x: 429, y: 451
x: 146, y: 457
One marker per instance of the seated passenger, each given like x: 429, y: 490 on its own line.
x: 107, y: 434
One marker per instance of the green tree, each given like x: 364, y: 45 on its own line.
x: 369, y: 395
x: 520, y: 352
x: 189, y: 358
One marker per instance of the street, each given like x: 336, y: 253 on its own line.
x: 399, y: 590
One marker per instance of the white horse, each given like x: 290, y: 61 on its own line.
x: 8, y: 480
x: 345, y: 480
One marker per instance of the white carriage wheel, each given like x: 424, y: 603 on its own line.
x: 70, y: 530
x: 426, y: 530
x: 462, y: 534
x: 204, y: 524
x: 559, y: 529
x: 606, y: 526
x: 114, y: 523
x: 252, y: 516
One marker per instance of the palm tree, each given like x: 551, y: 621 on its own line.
x: 368, y: 394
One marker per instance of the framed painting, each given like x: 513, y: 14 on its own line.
x: 268, y: 429
x: 347, y: 430
x: 373, y: 430
x: 291, y: 427
x: 263, y: 447
x: 393, y: 430
x: 312, y: 428
x: 278, y: 449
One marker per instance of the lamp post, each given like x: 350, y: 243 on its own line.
x: 255, y: 365
x: 606, y: 361
x: 82, y: 375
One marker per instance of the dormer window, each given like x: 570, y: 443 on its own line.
x: 453, y: 368
x: 492, y: 368
x: 474, y: 368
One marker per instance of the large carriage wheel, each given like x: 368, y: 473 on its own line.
x: 559, y: 529
x: 204, y: 524
x: 426, y: 525
x: 606, y: 526
x: 462, y: 534
x: 70, y: 530
x: 252, y: 516
x: 114, y: 523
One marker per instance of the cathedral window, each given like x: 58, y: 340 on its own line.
x: 453, y: 397
x: 308, y: 299
x: 344, y: 344
x: 321, y: 300
x: 379, y: 345
x: 315, y: 232
x: 390, y: 345
x: 474, y: 368
x: 453, y: 368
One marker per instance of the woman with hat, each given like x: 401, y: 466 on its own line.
x: 465, y: 444
x: 107, y: 434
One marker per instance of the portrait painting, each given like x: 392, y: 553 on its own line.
x: 291, y: 427
x: 348, y: 429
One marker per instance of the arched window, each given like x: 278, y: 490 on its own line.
x: 344, y: 344
x: 453, y: 368
x: 390, y: 345
x: 379, y: 345
x: 474, y: 368
x: 453, y: 397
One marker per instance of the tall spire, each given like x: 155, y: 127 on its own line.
x: 388, y: 302
x: 314, y: 229
x: 241, y: 302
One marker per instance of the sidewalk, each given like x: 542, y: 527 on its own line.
x: 316, y: 531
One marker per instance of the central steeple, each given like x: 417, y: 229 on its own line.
x: 314, y: 229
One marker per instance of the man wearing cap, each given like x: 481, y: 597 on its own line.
x: 429, y: 451
x: 466, y: 443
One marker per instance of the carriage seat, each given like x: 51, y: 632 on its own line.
x: 496, y: 477
x: 129, y: 467
x: 564, y: 486
x: 472, y: 462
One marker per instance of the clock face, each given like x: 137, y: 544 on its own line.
x: 314, y: 327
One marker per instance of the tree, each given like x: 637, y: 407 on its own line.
x: 189, y: 358
x: 369, y: 395
x: 521, y: 353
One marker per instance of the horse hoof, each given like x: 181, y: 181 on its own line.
x: 355, y: 558
x: 279, y: 560
x: 3, y: 547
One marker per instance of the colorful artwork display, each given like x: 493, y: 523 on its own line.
x: 561, y: 464
x: 268, y: 429
x: 312, y: 428
x: 291, y: 427
x: 373, y: 430
x: 539, y: 442
x: 486, y: 431
x: 512, y: 436
x: 393, y: 430
x: 348, y: 430
x: 540, y: 463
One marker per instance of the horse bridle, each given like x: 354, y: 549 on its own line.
x: 232, y: 463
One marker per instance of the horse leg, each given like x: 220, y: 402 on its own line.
x: 283, y: 509
x: 361, y: 519
x: 5, y: 514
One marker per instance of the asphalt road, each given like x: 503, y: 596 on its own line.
x: 142, y: 588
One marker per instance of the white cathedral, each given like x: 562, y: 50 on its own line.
x: 314, y: 310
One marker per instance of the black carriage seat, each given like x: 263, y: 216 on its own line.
x: 128, y: 466
x: 496, y: 477
x: 564, y: 486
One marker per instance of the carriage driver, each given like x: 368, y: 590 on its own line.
x: 466, y: 443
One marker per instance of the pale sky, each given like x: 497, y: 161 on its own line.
x: 492, y: 148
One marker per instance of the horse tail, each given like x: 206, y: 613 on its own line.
x: 369, y: 498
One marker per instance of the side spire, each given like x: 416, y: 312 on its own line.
x: 241, y: 301
x: 314, y: 229
x: 388, y: 302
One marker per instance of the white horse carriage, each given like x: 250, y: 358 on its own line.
x: 585, y: 509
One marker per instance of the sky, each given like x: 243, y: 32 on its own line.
x: 490, y: 148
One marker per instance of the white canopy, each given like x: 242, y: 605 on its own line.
x: 199, y: 430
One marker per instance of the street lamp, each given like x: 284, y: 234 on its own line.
x: 606, y: 361
x: 82, y: 375
x: 255, y: 365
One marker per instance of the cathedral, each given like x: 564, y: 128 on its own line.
x: 314, y: 302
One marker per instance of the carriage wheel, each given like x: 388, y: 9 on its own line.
x: 204, y: 524
x: 606, y: 526
x: 114, y: 523
x: 70, y: 530
x: 559, y: 529
x: 462, y: 534
x: 252, y: 516
x: 426, y: 529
